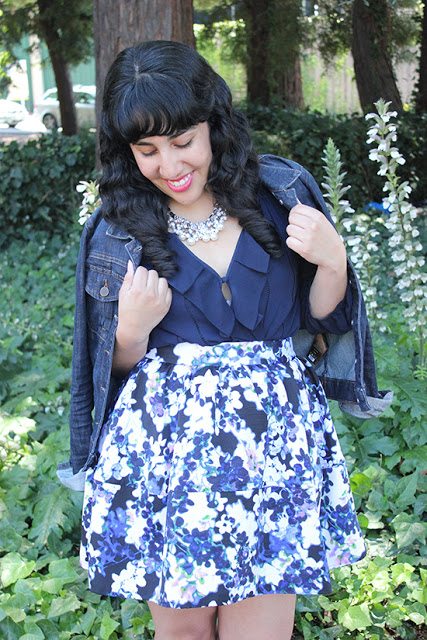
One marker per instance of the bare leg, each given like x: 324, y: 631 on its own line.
x: 184, y: 624
x: 270, y: 617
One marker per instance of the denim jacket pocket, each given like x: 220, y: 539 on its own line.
x: 102, y: 286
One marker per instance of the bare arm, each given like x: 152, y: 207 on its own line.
x: 313, y: 237
x: 144, y: 300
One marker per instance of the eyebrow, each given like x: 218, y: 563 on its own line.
x: 141, y: 141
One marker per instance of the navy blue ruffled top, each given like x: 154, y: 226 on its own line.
x: 269, y: 296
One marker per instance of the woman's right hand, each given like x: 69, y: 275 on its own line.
x: 144, y: 300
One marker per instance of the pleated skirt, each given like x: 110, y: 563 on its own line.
x: 219, y: 477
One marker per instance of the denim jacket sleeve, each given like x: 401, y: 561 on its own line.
x: 101, y: 266
x: 81, y: 378
x: 347, y: 369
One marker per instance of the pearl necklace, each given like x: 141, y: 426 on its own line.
x: 191, y: 232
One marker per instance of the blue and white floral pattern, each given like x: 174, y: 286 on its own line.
x: 220, y: 477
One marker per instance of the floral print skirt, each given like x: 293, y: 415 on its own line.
x: 219, y: 478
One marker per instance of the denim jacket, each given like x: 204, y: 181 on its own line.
x: 346, y: 370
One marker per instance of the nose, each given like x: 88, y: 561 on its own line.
x: 170, y: 167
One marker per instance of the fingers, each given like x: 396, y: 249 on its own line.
x: 304, y: 226
x: 144, y: 291
x: 149, y: 282
x: 312, y: 236
x: 128, y: 279
x: 304, y: 217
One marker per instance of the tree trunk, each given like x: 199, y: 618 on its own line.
x: 371, y: 54
x: 273, y: 68
x: 119, y: 24
x: 288, y: 89
x: 257, y: 51
x: 286, y: 37
x: 61, y: 70
x: 421, y: 101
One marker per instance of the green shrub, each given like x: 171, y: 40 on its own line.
x: 38, y: 181
x: 302, y: 136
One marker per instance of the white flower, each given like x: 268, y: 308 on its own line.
x: 355, y: 240
x: 390, y: 114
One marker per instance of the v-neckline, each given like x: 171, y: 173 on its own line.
x: 206, y: 265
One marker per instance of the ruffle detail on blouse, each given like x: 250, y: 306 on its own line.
x: 247, y: 274
x: 249, y: 269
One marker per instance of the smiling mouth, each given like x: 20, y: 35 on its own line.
x: 182, y: 184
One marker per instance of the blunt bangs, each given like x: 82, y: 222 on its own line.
x: 157, y: 105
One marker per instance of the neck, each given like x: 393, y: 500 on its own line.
x: 196, y: 212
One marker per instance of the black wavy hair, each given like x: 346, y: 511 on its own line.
x: 161, y: 88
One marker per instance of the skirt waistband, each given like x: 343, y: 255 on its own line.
x: 229, y: 353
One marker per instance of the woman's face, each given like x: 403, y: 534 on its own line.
x: 178, y: 165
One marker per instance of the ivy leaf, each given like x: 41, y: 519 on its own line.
x: 14, y: 567
x: 15, y: 606
x: 414, y: 435
x: 420, y: 505
x: 60, y: 572
x: 408, y: 529
x: 50, y: 514
x: 385, y: 445
x: 415, y: 458
x: 132, y: 609
x: 360, y: 483
x: 415, y: 401
x: 49, y: 629
x: 139, y: 625
x: 9, y: 630
x: 33, y: 632
x: 408, y: 487
x: 417, y: 613
x: 355, y: 617
x: 59, y: 606
x: 108, y: 625
x: 87, y: 620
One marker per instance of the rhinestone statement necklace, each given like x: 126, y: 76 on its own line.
x: 191, y: 232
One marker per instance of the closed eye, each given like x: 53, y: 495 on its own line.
x: 185, y: 145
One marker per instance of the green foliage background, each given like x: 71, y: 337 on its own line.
x: 44, y: 592
x: 37, y: 184
x: 302, y: 136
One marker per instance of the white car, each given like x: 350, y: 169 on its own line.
x: 47, y: 109
x: 11, y: 112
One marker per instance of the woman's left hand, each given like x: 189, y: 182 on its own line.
x: 313, y: 237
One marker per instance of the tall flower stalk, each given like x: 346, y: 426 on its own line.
x: 334, y: 185
x: 409, y: 263
x: 359, y: 237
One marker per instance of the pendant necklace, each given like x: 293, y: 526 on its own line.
x: 191, y: 232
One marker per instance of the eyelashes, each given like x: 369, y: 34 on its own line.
x: 179, y: 146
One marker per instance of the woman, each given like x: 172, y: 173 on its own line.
x: 215, y: 486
